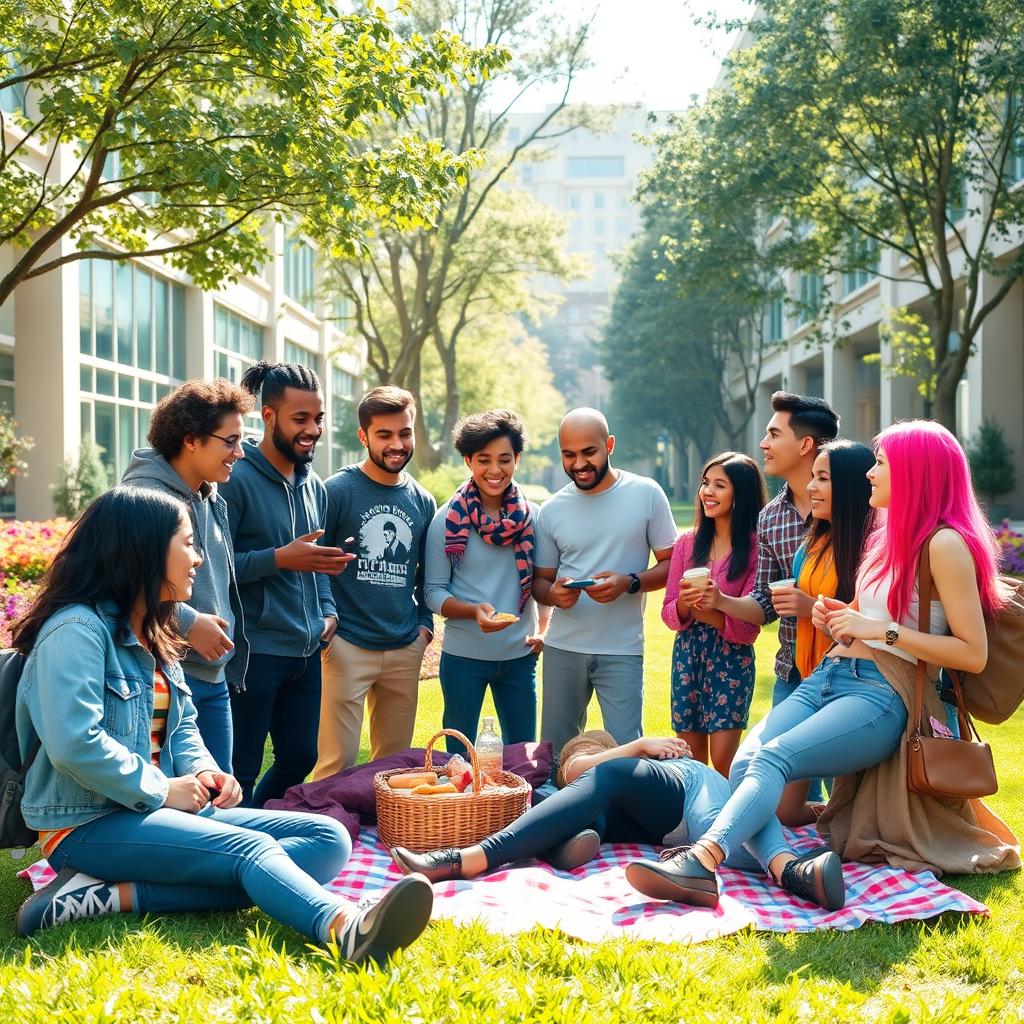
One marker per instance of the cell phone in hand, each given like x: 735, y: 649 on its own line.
x: 347, y: 545
x: 580, y: 584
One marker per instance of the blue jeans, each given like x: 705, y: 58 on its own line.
x: 213, y: 718
x: 282, y: 699
x: 513, y: 684
x: 785, y: 688
x: 570, y: 679
x: 217, y: 860
x: 844, y: 717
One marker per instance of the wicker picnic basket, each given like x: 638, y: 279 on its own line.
x: 420, y: 822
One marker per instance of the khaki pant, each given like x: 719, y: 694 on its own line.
x: 388, y: 681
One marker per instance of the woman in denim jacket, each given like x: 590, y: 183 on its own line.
x: 123, y: 786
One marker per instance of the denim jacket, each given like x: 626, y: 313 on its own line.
x: 88, y: 695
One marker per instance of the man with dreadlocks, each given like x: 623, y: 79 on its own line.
x: 278, y: 507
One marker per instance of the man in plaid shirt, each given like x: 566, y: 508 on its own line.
x: 799, y: 424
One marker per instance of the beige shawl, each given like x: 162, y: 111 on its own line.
x: 873, y: 817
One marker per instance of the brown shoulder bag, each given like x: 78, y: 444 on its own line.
x: 938, y: 766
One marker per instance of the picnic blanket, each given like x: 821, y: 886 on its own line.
x: 596, y: 902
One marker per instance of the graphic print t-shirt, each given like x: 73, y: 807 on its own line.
x: 379, y: 595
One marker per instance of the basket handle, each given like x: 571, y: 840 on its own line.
x: 455, y: 734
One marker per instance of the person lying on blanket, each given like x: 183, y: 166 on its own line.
x: 646, y: 791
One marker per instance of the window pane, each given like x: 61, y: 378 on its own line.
x: 125, y: 437
x: 220, y: 326
x: 105, y: 435
x: 144, y: 319
x: 7, y: 399
x: 124, y: 386
x: 145, y: 391
x: 85, y: 306
x: 85, y: 378
x: 85, y: 409
x: 6, y: 366
x: 221, y: 369
x: 162, y: 391
x: 105, y: 382
x: 161, y: 326
x: 144, y: 418
x: 235, y: 343
x: 124, y: 314
x: 103, y: 298
x: 178, y: 331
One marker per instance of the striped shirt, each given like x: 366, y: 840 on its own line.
x: 780, y: 532
x: 49, y: 841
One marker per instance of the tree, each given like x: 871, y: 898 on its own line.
x: 13, y: 448
x: 79, y: 483
x: 172, y: 129
x: 991, y: 462
x: 421, y: 288
x: 872, y: 124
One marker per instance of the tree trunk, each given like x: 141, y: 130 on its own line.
x: 944, y: 406
x: 452, y: 398
x: 427, y: 456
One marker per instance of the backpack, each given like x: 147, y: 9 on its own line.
x: 13, y: 830
x: 994, y: 694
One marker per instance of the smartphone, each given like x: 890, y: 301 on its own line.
x: 580, y: 584
x: 346, y: 545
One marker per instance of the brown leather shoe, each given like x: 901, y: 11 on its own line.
x: 575, y: 851
x: 436, y: 865
x: 676, y: 875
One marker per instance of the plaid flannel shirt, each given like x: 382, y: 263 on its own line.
x: 780, y: 531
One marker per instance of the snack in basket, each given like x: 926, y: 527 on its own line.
x: 429, y: 790
x: 504, y: 617
x: 459, y: 773
x: 410, y: 780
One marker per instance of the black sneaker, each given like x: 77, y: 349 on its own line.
x: 392, y: 922
x: 676, y: 875
x: 818, y: 877
x: 576, y: 851
x: 436, y: 865
x: 71, y: 896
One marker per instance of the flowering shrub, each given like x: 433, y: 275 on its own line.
x: 1011, y: 546
x: 27, y: 548
x: 15, y: 597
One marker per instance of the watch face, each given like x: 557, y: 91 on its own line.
x: 891, y: 636
x: 634, y: 583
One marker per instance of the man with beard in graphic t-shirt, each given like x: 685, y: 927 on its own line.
x: 375, y: 509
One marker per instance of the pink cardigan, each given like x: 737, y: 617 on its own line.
x: 734, y: 631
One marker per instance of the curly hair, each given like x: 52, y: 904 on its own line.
x: 195, y: 410
x: 474, y: 433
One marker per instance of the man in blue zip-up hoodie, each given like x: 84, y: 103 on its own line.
x: 277, y: 508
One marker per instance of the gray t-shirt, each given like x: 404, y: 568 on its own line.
x: 579, y: 534
x: 488, y: 573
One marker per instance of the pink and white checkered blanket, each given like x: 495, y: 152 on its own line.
x: 596, y: 902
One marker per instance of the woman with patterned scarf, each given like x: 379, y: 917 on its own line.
x: 479, y: 570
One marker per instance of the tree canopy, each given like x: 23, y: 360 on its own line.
x: 863, y: 125
x: 421, y: 287
x: 160, y: 128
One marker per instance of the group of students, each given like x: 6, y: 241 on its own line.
x: 223, y: 593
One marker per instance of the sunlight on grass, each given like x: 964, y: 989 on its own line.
x: 242, y: 966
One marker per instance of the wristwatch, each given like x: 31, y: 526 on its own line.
x: 634, y: 584
x: 892, y: 634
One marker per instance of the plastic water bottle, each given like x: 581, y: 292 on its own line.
x: 489, y: 748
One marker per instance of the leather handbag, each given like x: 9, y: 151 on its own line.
x: 949, y: 768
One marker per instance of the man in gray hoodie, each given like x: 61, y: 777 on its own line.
x: 277, y: 509
x: 196, y: 438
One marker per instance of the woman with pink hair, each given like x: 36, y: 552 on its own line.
x: 849, y: 716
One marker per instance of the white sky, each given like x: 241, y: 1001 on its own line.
x: 646, y: 51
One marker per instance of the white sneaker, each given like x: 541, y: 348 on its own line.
x: 392, y: 922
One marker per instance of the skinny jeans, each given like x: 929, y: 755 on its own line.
x: 844, y: 717
x: 627, y: 800
x: 217, y: 860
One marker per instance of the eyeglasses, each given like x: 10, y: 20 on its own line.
x: 233, y: 442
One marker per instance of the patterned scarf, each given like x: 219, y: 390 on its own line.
x: 515, y: 527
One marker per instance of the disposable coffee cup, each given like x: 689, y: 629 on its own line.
x: 780, y: 584
x: 697, y: 577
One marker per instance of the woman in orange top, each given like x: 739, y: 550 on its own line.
x: 826, y: 563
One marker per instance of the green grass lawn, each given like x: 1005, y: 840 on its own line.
x: 242, y: 966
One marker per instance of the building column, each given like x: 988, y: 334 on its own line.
x: 840, y: 385
x: 46, y: 403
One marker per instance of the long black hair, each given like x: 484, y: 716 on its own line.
x: 852, y: 516
x: 749, y: 496
x: 116, y: 551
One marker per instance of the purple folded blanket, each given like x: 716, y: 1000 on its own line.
x: 348, y: 796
